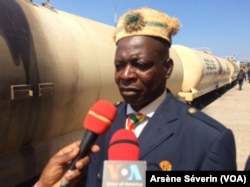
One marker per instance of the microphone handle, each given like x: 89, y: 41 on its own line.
x: 85, y: 147
x: 87, y: 141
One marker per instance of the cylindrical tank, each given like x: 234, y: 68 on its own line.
x: 234, y: 70
x: 174, y: 83
x: 202, y: 72
x: 53, y: 67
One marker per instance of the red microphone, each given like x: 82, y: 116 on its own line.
x: 100, y: 117
x: 98, y: 120
x: 124, y: 146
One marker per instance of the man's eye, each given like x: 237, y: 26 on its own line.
x: 143, y: 66
x: 119, y: 65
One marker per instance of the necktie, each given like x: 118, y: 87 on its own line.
x: 134, y: 119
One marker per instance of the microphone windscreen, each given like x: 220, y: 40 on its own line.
x: 100, y: 117
x: 123, y: 146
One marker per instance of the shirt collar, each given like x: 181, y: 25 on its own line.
x: 150, y: 109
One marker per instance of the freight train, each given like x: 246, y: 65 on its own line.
x: 54, y: 65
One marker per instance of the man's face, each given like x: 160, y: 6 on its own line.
x: 141, y: 68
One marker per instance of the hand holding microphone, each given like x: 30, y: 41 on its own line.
x: 97, y: 122
x: 55, y: 167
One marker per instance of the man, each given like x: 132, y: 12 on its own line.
x: 174, y: 135
x: 247, y: 164
x: 241, y: 77
x: 248, y: 74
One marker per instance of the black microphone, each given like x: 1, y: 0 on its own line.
x: 97, y: 122
x: 123, y: 166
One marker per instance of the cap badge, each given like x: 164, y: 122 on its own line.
x: 133, y: 22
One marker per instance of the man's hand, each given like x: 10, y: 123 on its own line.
x: 58, y: 165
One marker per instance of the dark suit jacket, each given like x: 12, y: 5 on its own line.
x: 247, y: 164
x: 177, y: 134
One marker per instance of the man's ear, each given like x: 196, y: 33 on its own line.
x: 169, y: 65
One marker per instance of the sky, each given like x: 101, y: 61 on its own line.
x: 222, y: 26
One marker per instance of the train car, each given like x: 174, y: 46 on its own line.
x: 202, y: 72
x: 54, y: 66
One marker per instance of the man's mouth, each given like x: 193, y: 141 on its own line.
x: 128, y: 91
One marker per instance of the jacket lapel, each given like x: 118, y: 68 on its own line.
x: 160, y: 127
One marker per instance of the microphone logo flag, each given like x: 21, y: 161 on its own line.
x: 124, y: 173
